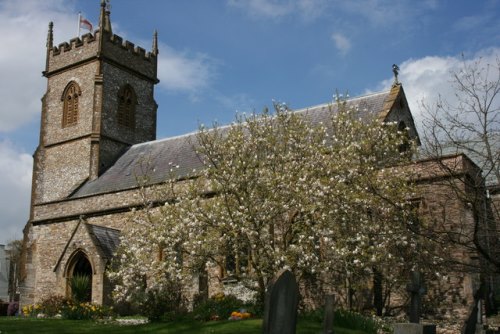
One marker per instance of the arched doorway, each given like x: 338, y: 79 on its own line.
x: 79, y: 277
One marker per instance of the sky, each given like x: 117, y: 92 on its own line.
x: 221, y: 57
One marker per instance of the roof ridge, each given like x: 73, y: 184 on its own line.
x: 192, y: 133
x: 349, y: 100
x: 165, y: 139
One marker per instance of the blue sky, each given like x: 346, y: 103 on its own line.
x: 222, y: 56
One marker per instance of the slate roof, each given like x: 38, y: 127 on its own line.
x: 155, y: 159
x: 107, y: 239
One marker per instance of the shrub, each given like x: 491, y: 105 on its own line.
x: 217, y: 307
x: 163, y: 304
x: 355, y: 321
x: 347, y: 319
x: 84, y: 311
x: 53, y: 305
x: 13, y: 308
x: 32, y: 310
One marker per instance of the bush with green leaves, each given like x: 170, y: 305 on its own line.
x: 217, y: 307
x: 53, y: 304
x: 85, y: 311
x: 348, y: 319
x: 163, y: 304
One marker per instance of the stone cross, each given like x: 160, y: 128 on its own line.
x: 416, y: 288
x: 280, y: 310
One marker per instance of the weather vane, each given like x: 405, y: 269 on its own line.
x: 395, y: 70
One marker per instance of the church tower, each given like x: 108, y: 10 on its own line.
x: 99, y: 101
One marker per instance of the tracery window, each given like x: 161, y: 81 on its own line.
x: 71, y: 95
x: 127, y: 101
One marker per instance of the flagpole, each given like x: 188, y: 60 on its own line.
x: 79, y: 20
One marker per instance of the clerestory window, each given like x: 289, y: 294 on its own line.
x: 127, y: 101
x: 71, y: 96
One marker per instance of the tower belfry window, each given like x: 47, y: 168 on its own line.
x: 127, y: 101
x: 70, y: 97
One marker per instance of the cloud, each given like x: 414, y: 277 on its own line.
x: 427, y: 78
x: 275, y: 9
x: 22, y: 55
x: 263, y: 8
x: 15, y: 168
x: 183, y: 71
x: 341, y: 43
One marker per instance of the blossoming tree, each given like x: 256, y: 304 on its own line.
x: 330, y: 201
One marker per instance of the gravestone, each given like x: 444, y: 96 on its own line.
x: 416, y: 289
x: 329, y: 314
x: 410, y: 328
x: 280, y: 310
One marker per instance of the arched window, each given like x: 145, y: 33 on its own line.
x: 71, y: 95
x: 127, y: 101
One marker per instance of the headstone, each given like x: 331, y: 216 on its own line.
x: 407, y: 329
x: 414, y: 328
x: 280, y: 310
x: 416, y: 290
x: 329, y: 314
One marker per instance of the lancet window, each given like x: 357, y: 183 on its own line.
x: 127, y: 101
x: 71, y: 96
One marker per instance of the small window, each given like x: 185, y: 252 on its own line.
x: 405, y: 146
x: 71, y: 96
x: 127, y: 101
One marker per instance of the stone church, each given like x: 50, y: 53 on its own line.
x: 98, y: 121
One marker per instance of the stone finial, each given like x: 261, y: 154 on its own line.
x: 104, y: 20
x: 102, y: 13
x: 395, y: 70
x: 50, y: 36
x: 107, y: 22
x: 154, y: 48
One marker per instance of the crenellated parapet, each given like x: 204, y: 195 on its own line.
x: 114, y: 49
x: 77, y: 51
x: 136, y: 58
x: 74, y: 43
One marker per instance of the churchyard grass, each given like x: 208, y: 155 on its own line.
x: 13, y: 325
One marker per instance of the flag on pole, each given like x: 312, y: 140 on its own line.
x: 85, y: 24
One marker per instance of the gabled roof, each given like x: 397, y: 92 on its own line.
x: 156, y: 159
x: 105, y: 238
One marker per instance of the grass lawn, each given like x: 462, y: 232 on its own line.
x: 11, y: 325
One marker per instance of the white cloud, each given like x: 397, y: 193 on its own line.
x: 425, y: 79
x: 182, y: 71
x: 342, y: 43
x: 15, y: 183
x: 264, y: 8
x: 307, y: 9
x: 22, y: 55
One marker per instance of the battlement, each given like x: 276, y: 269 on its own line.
x: 128, y: 54
x: 130, y: 47
x: 73, y: 44
x: 113, y: 48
